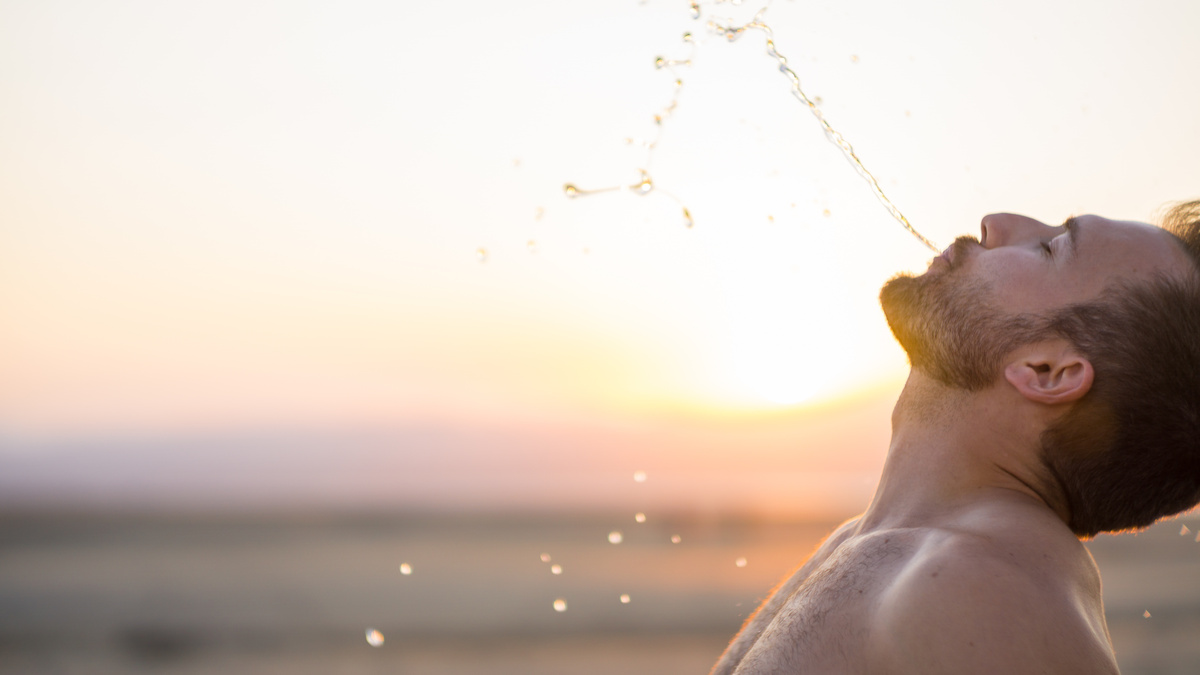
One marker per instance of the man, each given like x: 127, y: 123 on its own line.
x: 1054, y: 394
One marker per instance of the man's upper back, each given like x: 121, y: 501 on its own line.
x: 976, y: 594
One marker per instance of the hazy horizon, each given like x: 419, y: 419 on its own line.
x: 820, y: 464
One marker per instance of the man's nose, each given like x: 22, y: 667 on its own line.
x: 1006, y: 229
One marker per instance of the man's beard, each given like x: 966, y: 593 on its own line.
x: 948, y: 328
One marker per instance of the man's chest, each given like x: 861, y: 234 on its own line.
x: 822, y: 626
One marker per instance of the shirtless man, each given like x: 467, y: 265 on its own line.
x: 1054, y: 394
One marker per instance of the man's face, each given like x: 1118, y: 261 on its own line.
x: 984, y: 297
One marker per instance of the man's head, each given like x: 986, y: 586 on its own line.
x: 1123, y: 299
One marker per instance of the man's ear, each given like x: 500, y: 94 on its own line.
x: 1050, y: 372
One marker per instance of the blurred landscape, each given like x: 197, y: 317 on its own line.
x: 292, y: 294
x: 93, y: 593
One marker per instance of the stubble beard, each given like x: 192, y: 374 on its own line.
x: 948, y: 328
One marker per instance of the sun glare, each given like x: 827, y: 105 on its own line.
x: 782, y: 388
x: 788, y: 323
x: 786, y: 375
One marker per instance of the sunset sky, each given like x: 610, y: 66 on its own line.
x: 240, y: 241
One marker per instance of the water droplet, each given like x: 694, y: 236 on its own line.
x: 624, y: 598
x: 695, y: 10
x: 740, y: 562
x: 770, y: 219
x: 570, y: 190
x: 615, y: 537
x: 1183, y: 530
x: 854, y: 58
x: 827, y: 213
x: 644, y: 186
x: 405, y: 569
x: 531, y: 245
x: 481, y: 254
x: 659, y: 62
x: 658, y: 119
x: 545, y: 557
x: 640, y: 517
x: 687, y: 218
x: 1146, y: 614
x: 560, y: 605
x: 678, y: 83
x: 675, y: 539
x: 374, y: 638
x: 687, y: 37
x: 556, y: 569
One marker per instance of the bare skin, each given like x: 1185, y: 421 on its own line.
x: 963, y: 562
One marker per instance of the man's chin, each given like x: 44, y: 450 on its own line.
x: 900, y: 299
x: 938, y: 264
x: 948, y: 329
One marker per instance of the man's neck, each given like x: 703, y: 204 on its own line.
x: 952, y: 451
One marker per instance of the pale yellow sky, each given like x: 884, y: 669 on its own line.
x: 229, y: 216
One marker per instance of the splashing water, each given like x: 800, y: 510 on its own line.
x: 660, y: 62
x: 644, y: 186
x: 573, y: 191
x: 731, y: 32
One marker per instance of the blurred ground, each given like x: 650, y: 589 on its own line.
x: 291, y: 594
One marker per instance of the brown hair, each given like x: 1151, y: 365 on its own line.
x: 1128, y: 453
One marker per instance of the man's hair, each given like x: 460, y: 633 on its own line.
x: 1128, y: 452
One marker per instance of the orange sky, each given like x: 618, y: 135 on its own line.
x: 218, y: 220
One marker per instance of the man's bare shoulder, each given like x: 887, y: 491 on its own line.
x: 778, y: 598
x: 986, y: 595
x: 840, y: 534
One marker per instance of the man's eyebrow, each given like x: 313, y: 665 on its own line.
x: 1071, y: 225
